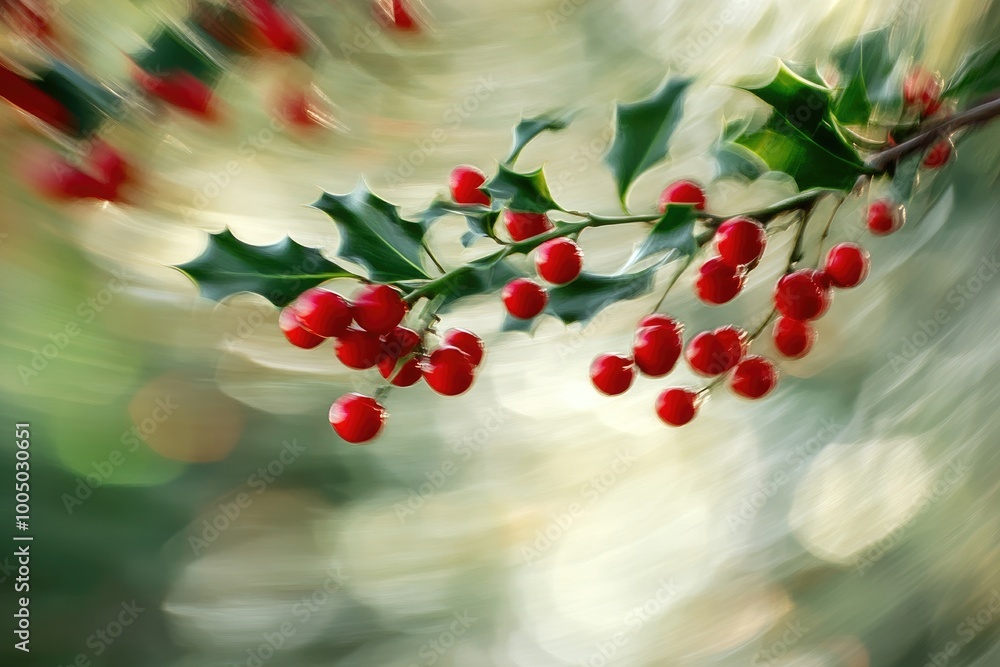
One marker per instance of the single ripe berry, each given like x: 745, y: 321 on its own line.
x: 449, y: 371
x: 793, y: 338
x: 399, y: 342
x: 296, y: 334
x: 465, y: 183
x: 885, y: 217
x: 657, y: 348
x: 395, y: 14
x: 922, y: 90
x: 846, y: 265
x: 179, y: 89
x: 523, y: 298
x: 559, y: 261
x: 521, y: 225
x: 802, y: 295
x: 276, y: 29
x: 938, y: 155
x: 717, y: 282
x: 654, y: 319
x: 612, y: 374
x: 408, y: 374
x: 740, y: 241
x: 709, y: 355
x: 358, y: 349
x: 357, y: 418
x: 754, y: 377
x: 322, y: 312
x: 734, y: 340
x: 378, y: 309
x: 467, y: 342
x: 677, y: 406
x: 682, y: 192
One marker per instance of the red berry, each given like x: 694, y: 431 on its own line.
x: 938, y: 155
x: 179, y: 89
x: 449, y: 371
x: 734, y: 340
x: 793, y: 338
x: 465, y: 183
x: 409, y: 373
x: 521, y: 225
x: 378, y: 309
x: 559, y: 261
x: 922, y: 89
x: 107, y: 163
x: 296, y: 334
x: 754, y: 377
x: 885, y: 217
x: 322, y: 312
x: 278, y: 31
x: 682, y: 192
x: 358, y: 349
x: 846, y: 265
x: 467, y: 342
x: 740, y: 241
x: 396, y: 14
x: 677, y: 406
x: 612, y: 374
x: 717, y: 282
x: 654, y: 319
x: 60, y: 180
x: 297, y: 108
x: 399, y: 342
x: 709, y: 355
x: 357, y: 418
x: 802, y: 295
x: 656, y: 349
x: 523, y: 298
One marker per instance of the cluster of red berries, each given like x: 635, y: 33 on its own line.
x: 922, y: 93
x: 368, y: 333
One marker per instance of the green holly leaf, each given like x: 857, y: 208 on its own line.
x: 88, y: 101
x: 171, y: 51
x: 979, y: 73
x: 479, y: 277
x: 866, y: 69
x: 481, y: 219
x: 521, y: 192
x: 278, y: 272
x: 674, y: 232
x: 642, y: 133
x: 905, y: 178
x: 733, y: 160
x: 801, y: 103
x: 529, y: 128
x: 582, y: 299
x: 373, y: 235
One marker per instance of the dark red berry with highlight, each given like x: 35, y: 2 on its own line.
x: 885, y: 217
x: 793, y: 338
x: 734, y: 340
x: 408, y: 374
x: 559, y: 261
x: 523, y: 298
x: 449, y: 371
x: 740, y: 241
x: 521, y: 225
x: 322, y: 312
x: 846, y: 265
x: 802, y: 295
x: 938, y: 155
x: 296, y: 334
x: 709, y: 355
x: 654, y: 319
x: 465, y: 183
x: 677, y: 406
x: 467, y: 342
x: 754, y: 377
x: 612, y: 374
x: 682, y: 192
x: 717, y: 282
x: 358, y: 349
x: 399, y: 342
x: 656, y: 349
x: 357, y: 418
x: 922, y: 90
x: 378, y: 309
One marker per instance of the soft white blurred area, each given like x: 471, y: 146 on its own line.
x: 532, y: 522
